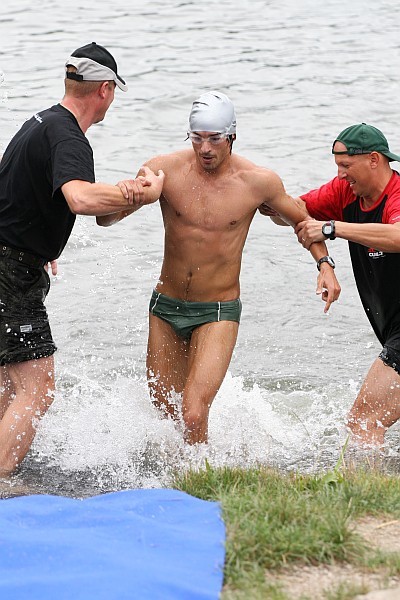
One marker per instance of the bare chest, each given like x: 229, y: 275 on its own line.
x: 217, y: 207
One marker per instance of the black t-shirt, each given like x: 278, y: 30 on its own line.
x: 49, y: 150
x: 377, y: 278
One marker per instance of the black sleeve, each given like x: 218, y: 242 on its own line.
x: 71, y: 159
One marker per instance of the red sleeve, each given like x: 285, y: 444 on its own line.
x: 391, y: 213
x: 326, y: 202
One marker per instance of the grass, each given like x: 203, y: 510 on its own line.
x: 274, y: 520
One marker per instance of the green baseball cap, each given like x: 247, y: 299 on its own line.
x: 363, y: 139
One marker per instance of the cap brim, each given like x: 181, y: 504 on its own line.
x: 121, y: 83
x: 391, y: 156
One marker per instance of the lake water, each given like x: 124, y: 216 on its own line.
x: 298, y: 73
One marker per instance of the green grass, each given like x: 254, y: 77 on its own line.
x: 274, y: 520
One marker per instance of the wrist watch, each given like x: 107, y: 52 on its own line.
x: 327, y: 259
x: 328, y: 229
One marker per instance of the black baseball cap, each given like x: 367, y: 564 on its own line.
x: 94, y: 63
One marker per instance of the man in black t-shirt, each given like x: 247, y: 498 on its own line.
x: 46, y: 179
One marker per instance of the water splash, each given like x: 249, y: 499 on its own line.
x: 101, y: 436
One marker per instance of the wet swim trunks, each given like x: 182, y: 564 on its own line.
x: 24, y: 327
x: 184, y: 317
x: 391, y: 357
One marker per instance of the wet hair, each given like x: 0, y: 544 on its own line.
x: 231, y: 139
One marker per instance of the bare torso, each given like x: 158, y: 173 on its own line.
x: 207, y: 216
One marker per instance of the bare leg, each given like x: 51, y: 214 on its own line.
x: 211, y: 348
x: 29, y: 395
x: 377, y: 406
x: 167, y: 359
x: 7, y: 392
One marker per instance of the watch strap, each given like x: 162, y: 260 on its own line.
x: 327, y: 259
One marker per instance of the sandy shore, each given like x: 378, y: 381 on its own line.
x: 314, y: 582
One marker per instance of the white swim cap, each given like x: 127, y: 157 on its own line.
x: 213, y: 111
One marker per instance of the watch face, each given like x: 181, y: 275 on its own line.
x: 327, y: 229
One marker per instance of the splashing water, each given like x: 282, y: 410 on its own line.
x: 99, y: 437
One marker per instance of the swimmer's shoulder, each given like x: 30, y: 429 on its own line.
x: 249, y: 170
x: 173, y: 160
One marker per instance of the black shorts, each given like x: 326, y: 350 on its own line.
x: 24, y: 326
x: 391, y: 357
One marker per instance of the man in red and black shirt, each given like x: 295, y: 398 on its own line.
x: 362, y: 205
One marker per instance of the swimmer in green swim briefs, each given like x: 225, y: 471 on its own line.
x: 208, y: 202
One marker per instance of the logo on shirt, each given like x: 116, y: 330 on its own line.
x: 38, y: 118
x: 375, y: 253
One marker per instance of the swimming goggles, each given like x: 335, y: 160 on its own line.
x: 214, y: 139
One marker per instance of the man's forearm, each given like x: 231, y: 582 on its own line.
x: 97, y: 199
x: 93, y: 199
x: 318, y: 250
x: 111, y: 219
x: 380, y: 236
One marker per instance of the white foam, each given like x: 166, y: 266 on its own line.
x: 112, y: 430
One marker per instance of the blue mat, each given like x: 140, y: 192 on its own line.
x: 135, y: 544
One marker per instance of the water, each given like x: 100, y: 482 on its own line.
x: 298, y: 73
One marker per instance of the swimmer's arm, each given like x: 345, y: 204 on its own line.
x: 278, y: 221
x: 145, y: 189
x: 275, y: 200
x: 290, y: 210
x: 293, y: 211
x: 267, y: 211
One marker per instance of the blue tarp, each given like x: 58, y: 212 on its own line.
x: 134, y: 544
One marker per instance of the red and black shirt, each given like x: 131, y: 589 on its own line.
x: 377, y: 273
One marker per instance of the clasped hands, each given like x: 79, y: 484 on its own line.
x: 134, y: 190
